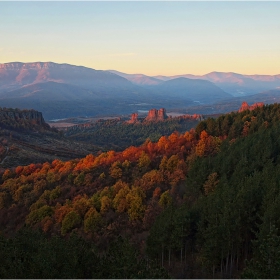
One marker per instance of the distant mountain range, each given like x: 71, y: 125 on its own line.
x: 232, y: 83
x: 63, y: 90
x: 197, y: 90
x: 14, y: 76
x: 139, y: 79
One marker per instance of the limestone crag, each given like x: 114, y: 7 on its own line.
x: 156, y: 115
x: 255, y: 105
x: 22, y: 118
x: 245, y: 106
x: 134, y: 118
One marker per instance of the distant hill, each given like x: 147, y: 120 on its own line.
x: 184, y: 88
x: 197, y: 90
x: 167, y: 78
x: 15, y: 75
x: 232, y: 83
x: 50, y: 90
x: 239, y: 85
x: 138, y: 79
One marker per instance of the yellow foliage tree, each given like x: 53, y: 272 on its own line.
x: 105, y: 204
x: 119, y: 202
x: 115, y: 170
x: 136, y: 208
x: 92, y: 220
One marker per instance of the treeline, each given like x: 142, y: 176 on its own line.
x: 116, y: 134
x: 201, y: 204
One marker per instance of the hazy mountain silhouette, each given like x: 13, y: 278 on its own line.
x: 238, y: 84
x: 138, y: 79
x: 15, y: 75
x: 200, y: 91
x: 235, y: 84
x: 50, y: 90
x: 183, y: 87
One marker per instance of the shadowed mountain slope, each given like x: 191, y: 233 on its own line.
x: 15, y: 75
x: 138, y: 79
x: 200, y: 91
x: 235, y: 84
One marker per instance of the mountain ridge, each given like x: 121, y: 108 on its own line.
x: 234, y: 83
x: 27, y: 73
x: 198, y: 90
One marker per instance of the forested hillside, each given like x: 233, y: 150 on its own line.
x: 26, y: 138
x: 199, y: 204
x: 118, y: 134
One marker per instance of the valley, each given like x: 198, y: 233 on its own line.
x: 62, y: 124
x: 26, y: 138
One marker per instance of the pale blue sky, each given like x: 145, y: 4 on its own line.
x: 154, y: 38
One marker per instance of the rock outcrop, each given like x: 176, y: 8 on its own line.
x: 156, y: 115
x: 134, y: 118
x: 255, y: 105
x: 22, y: 119
x: 245, y: 106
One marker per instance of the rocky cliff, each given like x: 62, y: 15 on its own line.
x: 245, y: 106
x: 134, y: 118
x: 160, y: 115
x: 156, y: 115
x: 22, y: 119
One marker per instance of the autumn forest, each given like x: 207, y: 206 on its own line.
x: 203, y: 203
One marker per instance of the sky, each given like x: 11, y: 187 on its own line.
x: 152, y: 38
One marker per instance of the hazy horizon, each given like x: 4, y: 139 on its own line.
x: 151, y: 38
